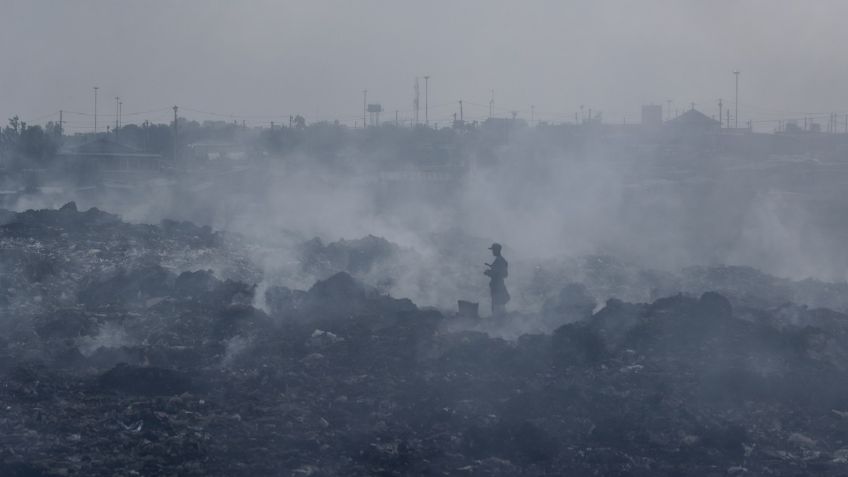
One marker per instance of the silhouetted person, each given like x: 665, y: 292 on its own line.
x: 497, y: 272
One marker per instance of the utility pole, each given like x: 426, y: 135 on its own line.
x: 460, y: 111
x: 62, y: 129
x: 397, y: 123
x: 146, y: 125
x: 427, y: 101
x: 95, y: 110
x: 416, y: 101
x: 728, y: 117
x: 175, y: 134
x: 719, y: 113
x: 120, y: 114
x: 736, y: 119
x: 492, y: 105
x: 364, y: 107
x: 117, y: 100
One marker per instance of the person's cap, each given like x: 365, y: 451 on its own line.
x: 495, y: 246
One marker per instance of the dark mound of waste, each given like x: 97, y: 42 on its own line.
x: 353, y: 256
x: 605, y: 277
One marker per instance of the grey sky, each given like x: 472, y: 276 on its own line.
x: 264, y: 60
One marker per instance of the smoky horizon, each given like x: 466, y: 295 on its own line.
x: 265, y: 61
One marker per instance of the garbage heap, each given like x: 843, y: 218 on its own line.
x: 112, y: 362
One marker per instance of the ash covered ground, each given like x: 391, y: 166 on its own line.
x: 170, y: 349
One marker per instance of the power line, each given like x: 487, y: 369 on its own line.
x: 136, y: 113
x: 43, y: 116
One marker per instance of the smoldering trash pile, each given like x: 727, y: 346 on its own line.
x: 123, y: 353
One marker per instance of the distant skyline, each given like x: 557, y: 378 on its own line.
x: 261, y: 61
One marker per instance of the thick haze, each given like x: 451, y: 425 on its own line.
x: 262, y: 61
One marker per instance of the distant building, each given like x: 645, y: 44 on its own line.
x: 105, y: 154
x: 217, y: 151
x: 502, y: 125
x: 652, y: 116
x: 693, y: 121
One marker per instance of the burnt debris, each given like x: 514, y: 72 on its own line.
x: 121, y: 353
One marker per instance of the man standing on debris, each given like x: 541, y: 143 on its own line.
x: 497, y: 272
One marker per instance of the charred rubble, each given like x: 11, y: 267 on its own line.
x: 117, y: 358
